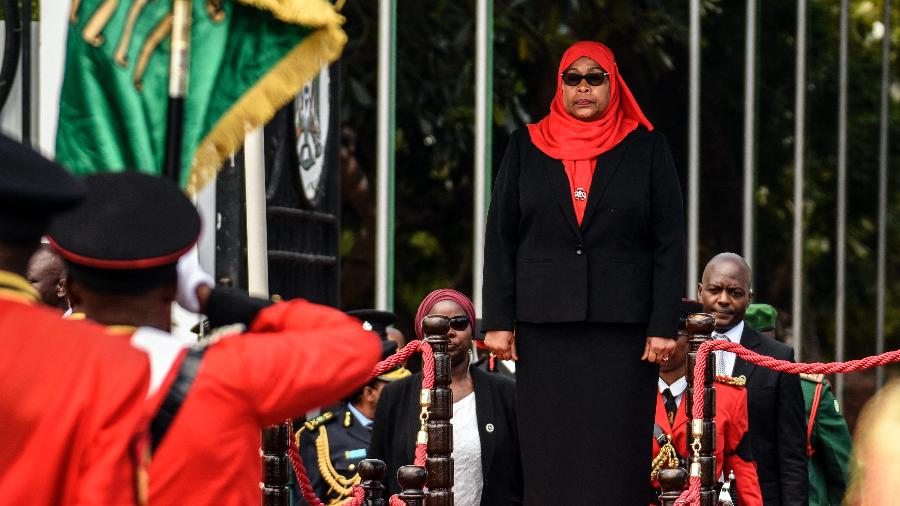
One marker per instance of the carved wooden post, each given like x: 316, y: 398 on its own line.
x: 440, y: 432
x: 702, y: 459
x: 412, y: 480
x: 276, y: 465
x: 372, y: 473
x: 671, y: 482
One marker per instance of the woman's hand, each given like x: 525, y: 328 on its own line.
x: 502, y: 344
x: 658, y: 349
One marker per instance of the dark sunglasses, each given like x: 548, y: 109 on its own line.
x: 594, y: 78
x: 459, y: 323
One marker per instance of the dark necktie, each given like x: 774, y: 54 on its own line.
x: 671, y: 406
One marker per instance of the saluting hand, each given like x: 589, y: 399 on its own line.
x: 658, y: 349
x: 502, y: 344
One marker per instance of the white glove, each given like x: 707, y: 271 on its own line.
x: 190, y: 277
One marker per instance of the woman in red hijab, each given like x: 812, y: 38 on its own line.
x: 583, y: 276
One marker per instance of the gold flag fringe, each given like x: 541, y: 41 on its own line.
x: 312, y: 13
x: 260, y: 103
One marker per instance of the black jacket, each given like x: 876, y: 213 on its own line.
x: 397, y: 422
x: 624, y: 264
x: 777, y: 418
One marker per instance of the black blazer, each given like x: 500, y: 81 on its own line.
x: 624, y: 264
x: 397, y: 422
x: 777, y: 418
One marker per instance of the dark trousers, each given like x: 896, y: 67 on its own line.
x: 585, y: 413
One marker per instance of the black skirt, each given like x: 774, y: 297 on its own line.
x: 585, y: 413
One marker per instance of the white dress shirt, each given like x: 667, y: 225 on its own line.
x: 678, y: 388
x: 468, y: 479
x: 734, y: 335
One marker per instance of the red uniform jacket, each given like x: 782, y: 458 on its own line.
x: 295, y: 356
x: 71, y: 408
x: 732, y: 440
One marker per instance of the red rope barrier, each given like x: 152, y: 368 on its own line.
x: 300, y: 472
x: 380, y: 368
x: 692, y: 494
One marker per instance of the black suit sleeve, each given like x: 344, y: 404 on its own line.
x: 791, y: 432
x: 500, y: 244
x: 227, y: 305
x: 381, y: 442
x: 667, y: 228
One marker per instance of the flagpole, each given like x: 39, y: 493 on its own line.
x: 179, y: 66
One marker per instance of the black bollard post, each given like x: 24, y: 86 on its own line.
x: 671, y: 482
x: 372, y: 473
x: 412, y: 480
x: 702, y: 436
x: 276, y: 465
x: 440, y: 432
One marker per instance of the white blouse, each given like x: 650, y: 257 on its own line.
x: 467, y: 477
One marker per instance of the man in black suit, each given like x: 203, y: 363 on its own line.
x: 775, y: 400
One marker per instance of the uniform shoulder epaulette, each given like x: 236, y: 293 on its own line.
x: 218, y: 334
x: 814, y: 378
x: 735, y: 381
x: 315, y: 423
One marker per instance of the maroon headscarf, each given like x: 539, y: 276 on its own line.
x: 441, y: 295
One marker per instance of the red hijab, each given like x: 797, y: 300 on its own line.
x: 562, y: 137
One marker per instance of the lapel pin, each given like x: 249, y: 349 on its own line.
x: 489, y: 427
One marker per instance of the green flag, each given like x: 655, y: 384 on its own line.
x: 248, y: 58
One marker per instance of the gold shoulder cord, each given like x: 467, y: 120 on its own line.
x: 666, y: 459
x: 343, y: 486
x: 13, y: 286
x: 739, y: 381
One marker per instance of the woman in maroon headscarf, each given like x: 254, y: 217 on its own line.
x: 583, y: 276
x: 486, y: 469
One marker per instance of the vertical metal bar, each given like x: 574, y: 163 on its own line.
x: 881, y: 286
x: 484, y: 31
x: 693, y: 146
x: 257, y: 237
x: 841, y: 239
x: 749, y: 132
x: 384, y: 218
x: 26, y: 72
x: 799, y: 141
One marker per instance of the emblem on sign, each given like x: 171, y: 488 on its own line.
x: 580, y: 194
x: 311, y: 115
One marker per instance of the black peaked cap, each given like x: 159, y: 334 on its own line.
x: 388, y: 348
x: 32, y: 190
x: 377, y: 319
x: 128, y: 233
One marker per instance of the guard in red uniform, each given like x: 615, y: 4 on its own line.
x: 71, y: 395
x: 209, y: 402
x: 733, y: 453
